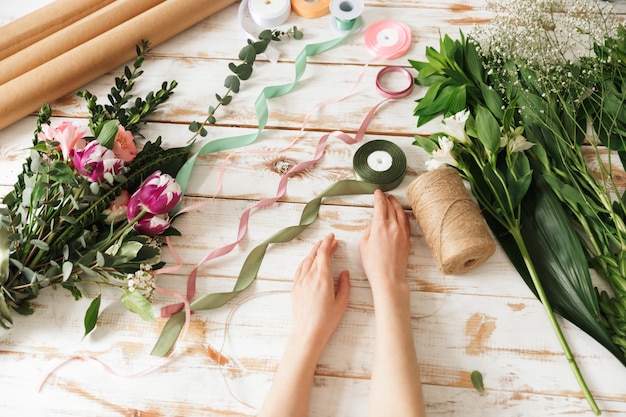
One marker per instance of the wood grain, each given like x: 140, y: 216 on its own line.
x: 485, y: 320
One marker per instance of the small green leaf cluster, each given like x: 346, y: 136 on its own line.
x: 240, y: 72
x: 130, y: 117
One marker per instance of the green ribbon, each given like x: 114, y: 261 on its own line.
x: 260, y: 106
x: 385, y: 180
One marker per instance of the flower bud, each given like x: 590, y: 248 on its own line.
x: 152, y: 224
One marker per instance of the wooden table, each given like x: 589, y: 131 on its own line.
x: 485, y: 320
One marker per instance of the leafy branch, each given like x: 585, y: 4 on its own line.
x: 129, y: 117
x: 240, y: 72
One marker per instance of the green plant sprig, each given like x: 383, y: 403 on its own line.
x: 119, y: 96
x: 240, y: 72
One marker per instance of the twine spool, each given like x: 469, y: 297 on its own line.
x: 453, y: 225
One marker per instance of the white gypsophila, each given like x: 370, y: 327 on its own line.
x: 454, y: 126
x: 545, y: 33
x: 443, y: 155
x: 142, y: 280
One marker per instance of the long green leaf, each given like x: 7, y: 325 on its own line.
x: 560, y: 261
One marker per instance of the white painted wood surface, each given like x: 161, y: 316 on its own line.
x: 485, y: 320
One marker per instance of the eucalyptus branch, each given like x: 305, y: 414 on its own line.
x: 240, y: 72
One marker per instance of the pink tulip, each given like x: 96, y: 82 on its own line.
x: 66, y: 134
x: 124, y: 145
x: 96, y: 162
x: 158, y: 194
x: 152, y: 224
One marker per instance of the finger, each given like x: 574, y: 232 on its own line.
x: 401, y: 217
x: 305, y: 264
x: 380, y: 206
x: 326, y: 249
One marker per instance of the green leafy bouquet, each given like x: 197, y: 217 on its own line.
x: 87, y: 207
x: 533, y: 117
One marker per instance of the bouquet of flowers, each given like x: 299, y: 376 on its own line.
x: 530, y: 104
x: 88, y: 207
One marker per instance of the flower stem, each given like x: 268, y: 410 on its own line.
x: 517, y: 235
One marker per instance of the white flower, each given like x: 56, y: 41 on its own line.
x: 443, y: 155
x: 454, y: 126
x: 515, y: 141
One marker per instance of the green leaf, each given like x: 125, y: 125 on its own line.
x: 61, y: 172
x: 67, y: 268
x: 91, y: 315
x: 559, y: 259
x: 429, y: 144
x: 138, y: 304
x: 232, y: 82
x: 247, y: 54
x: 477, y: 381
x: 107, y: 133
x: 488, y: 129
x: 40, y: 244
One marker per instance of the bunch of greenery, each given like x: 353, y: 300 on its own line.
x: 545, y: 80
x: 53, y: 226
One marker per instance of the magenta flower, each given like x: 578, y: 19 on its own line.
x: 152, y: 224
x: 96, y: 162
x: 158, y: 194
x: 66, y: 134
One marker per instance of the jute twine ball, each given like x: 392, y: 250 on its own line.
x: 453, y: 226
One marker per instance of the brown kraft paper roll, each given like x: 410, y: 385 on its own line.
x: 77, y: 67
x: 71, y: 36
x: 453, y: 225
x: 27, y: 30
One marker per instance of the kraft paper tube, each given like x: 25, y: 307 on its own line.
x: 453, y: 226
x: 71, y: 36
x: 77, y: 67
x: 26, y: 30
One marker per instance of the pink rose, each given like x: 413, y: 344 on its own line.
x: 124, y: 146
x: 66, y: 134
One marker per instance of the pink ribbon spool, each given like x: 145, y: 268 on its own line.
x: 388, y: 39
x: 386, y: 92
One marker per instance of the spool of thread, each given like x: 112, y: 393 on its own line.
x: 269, y: 13
x: 311, y: 9
x: 453, y: 226
x: 380, y: 162
x: 345, y: 13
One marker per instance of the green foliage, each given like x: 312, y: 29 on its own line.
x: 53, y: 227
x: 120, y: 95
x: 240, y: 72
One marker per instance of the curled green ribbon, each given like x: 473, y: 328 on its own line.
x: 260, y: 106
x: 385, y: 180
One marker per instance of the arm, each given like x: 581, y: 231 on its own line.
x: 317, y: 310
x: 395, y: 388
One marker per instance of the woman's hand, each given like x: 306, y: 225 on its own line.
x: 317, y: 306
x: 385, y: 245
